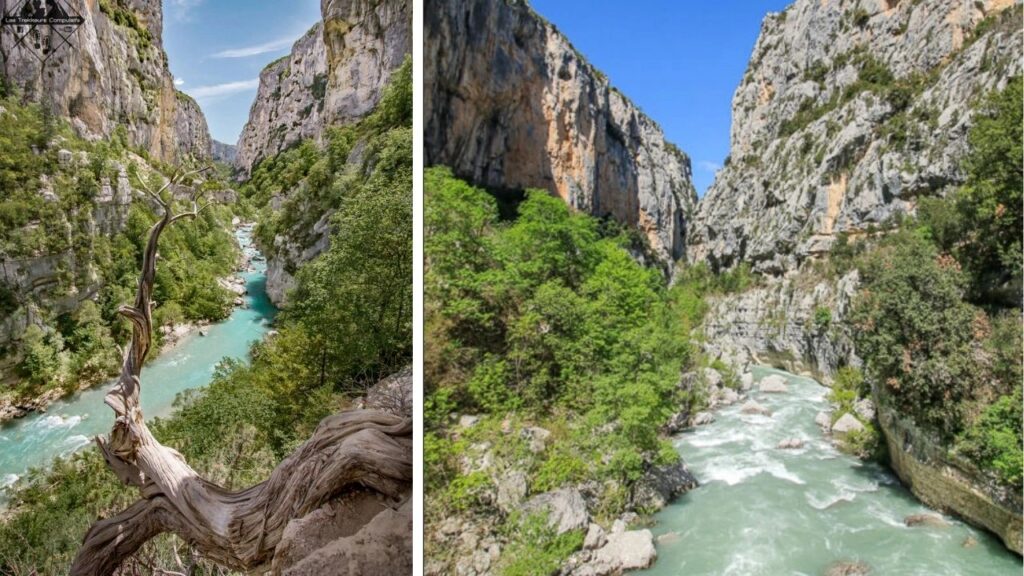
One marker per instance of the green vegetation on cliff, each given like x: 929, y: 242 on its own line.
x: 938, y: 321
x: 544, y: 320
x: 350, y: 320
x: 64, y: 230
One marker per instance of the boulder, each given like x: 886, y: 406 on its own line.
x: 927, y: 520
x: 823, y: 420
x: 538, y: 438
x: 468, y: 420
x: 790, y: 444
x: 660, y: 484
x: 703, y: 418
x: 865, y: 408
x: 846, y: 424
x: 565, y: 507
x: 631, y: 550
x: 773, y: 384
x: 712, y: 377
x: 725, y: 397
x: 848, y: 568
x: 512, y: 489
x: 751, y: 407
x: 595, y: 537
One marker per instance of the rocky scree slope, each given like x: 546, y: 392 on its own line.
x: 849, y: 111
x: 334, y: 75
x: 113, y: 76
x: 510, y: 104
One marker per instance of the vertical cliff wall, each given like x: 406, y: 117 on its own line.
x: 510, y: 104
x: 848, y: 112
x: 114, y: 75
x: 334, y: 75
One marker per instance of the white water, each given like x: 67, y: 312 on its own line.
x: 765, y: 511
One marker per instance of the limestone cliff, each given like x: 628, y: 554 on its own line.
x: 113, y: 76
x: 849, y: 111
x: 221, y: 152
x: 794, y: 323
x: 334, y: 75
x: 510, y: 104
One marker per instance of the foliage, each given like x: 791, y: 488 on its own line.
x: 822, y: 318
x: 546, y: 318
x: 70, y: 350
x: 535, y: 548
x: 235, y: 430
x: 938, y: 319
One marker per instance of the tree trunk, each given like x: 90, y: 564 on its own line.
x: 238, y: 530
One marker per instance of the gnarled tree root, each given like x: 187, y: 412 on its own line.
x: 240, y: 530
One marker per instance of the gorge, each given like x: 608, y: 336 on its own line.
x: 856, y: 128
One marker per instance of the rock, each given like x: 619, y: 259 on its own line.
x: 969, y: 542
x: 746, y: 381
x: 751, y: 407
x: 468, y: 421
x: 824, y: 421
x: 566, y: 509
x: 355, y: 534
x: 64, y: 157
x: 865, y: 408
x: 631, y: 550
x: 927, y: 520
x: 619, y: 526
x: 712, y: 377
x: 773, y: 384
x: 660, y: 484
x: 703, y: 418
x: 725, y: 397
x: 678, y: 422
x: 497, y: 77
x: 595, y: 537
x: 764, y: 210
x: 790, y: 444
x: 512, y: 489
x: 203, y: 332
x: 847, y: 423
x: 848, y: 568
x: 538, y: 438
x: 221, y: 152
x: 335, y: 75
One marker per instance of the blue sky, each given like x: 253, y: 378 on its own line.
x: 217, y: 48
x: 679, y: 61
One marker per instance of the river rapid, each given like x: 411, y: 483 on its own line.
x: 761, y: 510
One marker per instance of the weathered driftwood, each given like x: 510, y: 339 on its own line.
x: 238, y: 530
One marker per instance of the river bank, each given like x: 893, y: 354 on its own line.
x: 171, y: 336
x: 70, y: 422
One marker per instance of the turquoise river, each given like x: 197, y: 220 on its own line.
x: 70, y: 424
x: 765, y: 511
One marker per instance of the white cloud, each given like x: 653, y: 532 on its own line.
x: 707, y: 166
x: 178, y: 82
x: 182, y: 9
x: 219, y: 91
x: 247, y: 51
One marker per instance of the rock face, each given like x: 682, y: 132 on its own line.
x: 510, y: 104
x: 334, y: 75
x: 795, y: 323
x: 848, y: 112
x: 946, y: 483
x: 221, y: 152
x: 113, y: 76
